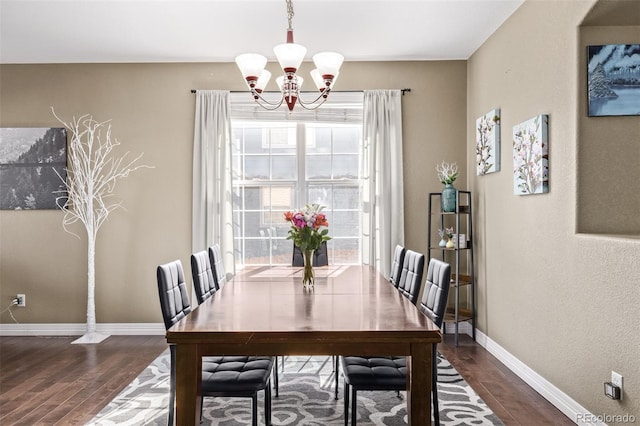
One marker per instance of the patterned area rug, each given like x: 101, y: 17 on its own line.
x: 306, y: 398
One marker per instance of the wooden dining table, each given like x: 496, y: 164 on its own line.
x: 351, y: 310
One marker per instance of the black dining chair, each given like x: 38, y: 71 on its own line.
x: 204, y: 285
x: 411, y: 275
x: 222, y: 376
x: 320, y: 256
x: 390, y: 373
x: 409, y: 283
x: 217, y: 266
x: 202, y: 274
x: 396, y: 265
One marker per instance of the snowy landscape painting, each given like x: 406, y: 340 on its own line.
x: 29, y: 160
x: 531, y: 156
x: 613, y: 81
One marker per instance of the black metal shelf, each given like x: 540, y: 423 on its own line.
x: 461, y: 216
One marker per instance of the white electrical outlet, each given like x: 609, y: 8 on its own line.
x: 22, y: 300
x: 616, y: 379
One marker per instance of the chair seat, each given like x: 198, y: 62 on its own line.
x: 375, y: 373
x: 235, y: 374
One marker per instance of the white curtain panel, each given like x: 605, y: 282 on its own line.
x: 383, y: 200
x: 212, y: 192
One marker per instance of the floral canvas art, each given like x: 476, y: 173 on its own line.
x: 531, y: 156
x: 488, y: 143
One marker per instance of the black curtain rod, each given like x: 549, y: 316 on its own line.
x: 337, y: 91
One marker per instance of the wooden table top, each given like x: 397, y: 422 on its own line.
x: 267, y: 303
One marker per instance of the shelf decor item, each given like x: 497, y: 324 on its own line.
x: 443, y: 242
x: 447, y: 174
x: 308, y: 232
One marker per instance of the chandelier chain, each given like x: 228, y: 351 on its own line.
x: 290, y: 12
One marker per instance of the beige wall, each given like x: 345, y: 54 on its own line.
x: 565, y: 304
x: 152, y: 111
x: 608, y: 165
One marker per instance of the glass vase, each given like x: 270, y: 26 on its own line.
x: 308, y: 276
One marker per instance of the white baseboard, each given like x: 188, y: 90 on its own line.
x: 570, y: 408
x: 463, y: 328
x: 141, y: 329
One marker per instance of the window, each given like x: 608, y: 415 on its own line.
x: 281, y: 165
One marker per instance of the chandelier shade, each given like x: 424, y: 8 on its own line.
x: 328, y: 63
x: 290, y: 56
x: 251, y: 66
x: 263, y: 80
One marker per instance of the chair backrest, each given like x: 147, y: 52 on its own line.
x: 217, y: 266
x: 436, y: 291
x: 396, y: 265
x: 203, y: 282
x: 320, y: 257
x: 174, y: 300
x: 411, y: 275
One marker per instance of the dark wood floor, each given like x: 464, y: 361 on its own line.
x: 510, y: 398
x: 48, y: 381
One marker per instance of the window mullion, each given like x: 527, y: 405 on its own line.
x: 301, y: 157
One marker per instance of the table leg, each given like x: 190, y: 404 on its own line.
x: 419, y: 385
x: 188, y: 380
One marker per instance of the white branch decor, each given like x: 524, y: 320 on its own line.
x: 92, y: 173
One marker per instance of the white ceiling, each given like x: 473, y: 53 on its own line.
x: 89, y: 31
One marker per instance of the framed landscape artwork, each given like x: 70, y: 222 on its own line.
x: 613, y: 79
x: 531, y: 156
x: 29, y: 160
x: 488, y: 143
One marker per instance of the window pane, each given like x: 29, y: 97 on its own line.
x: 346, y: 251
x: 320, y: 194
x: 252, y: 224
x: 319, y: 167
x: 236, y: 167
x: 282, y: 252
x: 256, y: 252
x: 282, y: 138
x: 347, y: 140
x: 257, y: 167
x: 253, y: 141
x: 283, y: 167
x: 238, y: 223
x: 345, y: 167
x: 252, y: 198
x: 346, y: 197
x: 318, y: 140
x: 345, y: 224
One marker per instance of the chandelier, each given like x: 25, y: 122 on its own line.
x: 290, y: 56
